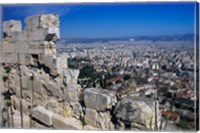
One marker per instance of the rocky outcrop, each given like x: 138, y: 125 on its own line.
x: 99, y: 99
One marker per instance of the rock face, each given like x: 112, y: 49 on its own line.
x: 60, y: 122
x: 100, y: 120
x: 43, y: 115
x: 99, y: 99
x: 139, y: 113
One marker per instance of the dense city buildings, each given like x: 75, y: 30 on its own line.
x: 142, y: 68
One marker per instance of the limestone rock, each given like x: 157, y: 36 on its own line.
x: 12, y: 26
x: 70, y: 76
x: 49, y: 20
x: 77, y: 110
x: 52, y: 89
x: 52, y: 62
x: 39, y: 126
x: 60, y: 122
x: 72, y: 93
x: 16, y: 103
x: 88, y: 127
x: 53, y: 105
x: 17, y: 120
x: 137, y: 111
x: 32, y: 22
x: 43, y: 27
x: 100, y: 120
x: 99, y: 99
x: 43, y: 115
x: 36, y: 85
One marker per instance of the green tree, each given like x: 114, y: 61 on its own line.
x: 127, y: 77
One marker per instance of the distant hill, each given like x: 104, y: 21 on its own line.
x: 184, y: 37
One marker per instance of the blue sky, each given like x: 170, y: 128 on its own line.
x: 113, y: 20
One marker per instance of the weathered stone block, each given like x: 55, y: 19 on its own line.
x: 49, y: 20
x: 100, y: 120
x: 43, y: 27
x: 60, y: 122
x: 12, y: 26
x: 99, y: 99
x: 43, y: 115
x: 32, y: 22
x: 137, y: 111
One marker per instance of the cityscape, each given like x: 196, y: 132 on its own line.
x: 58, y: 71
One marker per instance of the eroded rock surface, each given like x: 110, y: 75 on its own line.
x: 60, y: 122
x: 99, y: 99
x: 43, y: 115
x: 101, y: 120
x: 139, y: 112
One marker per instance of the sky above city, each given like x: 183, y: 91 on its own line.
x: 113, y: 20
